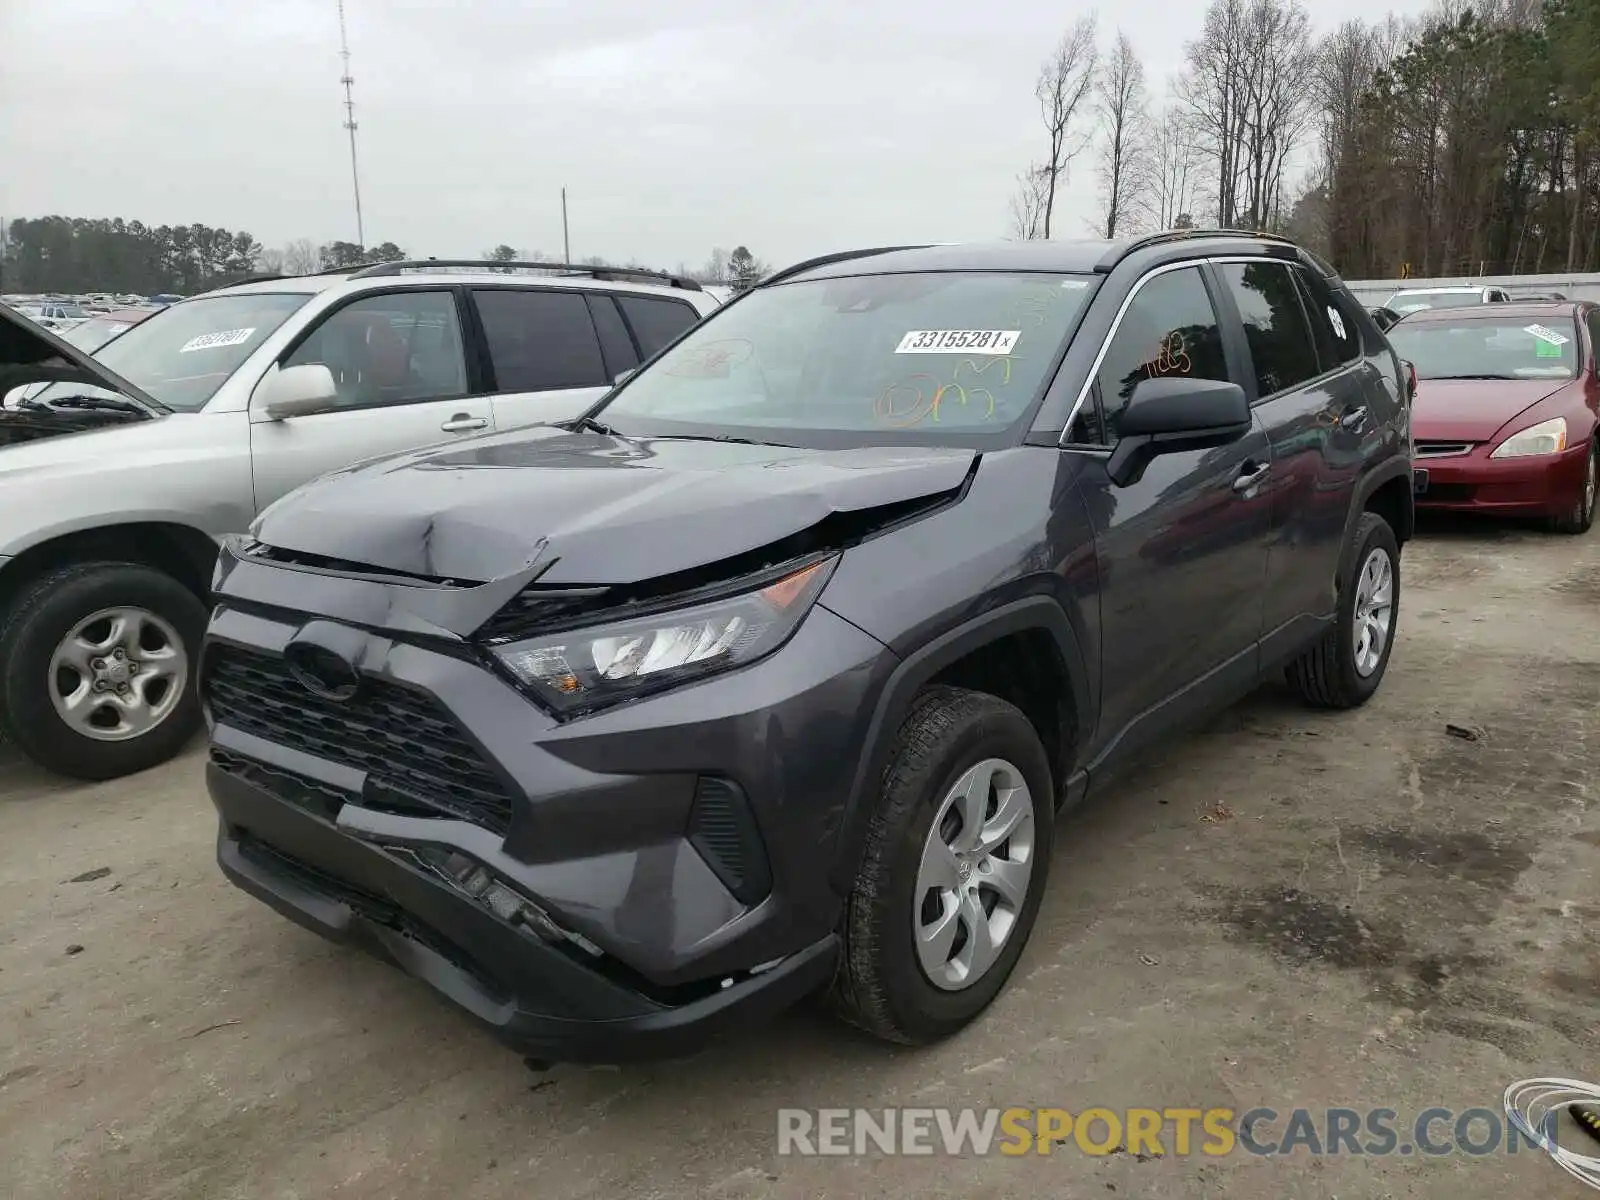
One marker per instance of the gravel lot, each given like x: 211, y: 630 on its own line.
x: 1288, y: 909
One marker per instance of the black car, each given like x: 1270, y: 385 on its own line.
x: 773, y: 672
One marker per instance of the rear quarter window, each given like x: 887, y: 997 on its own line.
x: 656, y: 322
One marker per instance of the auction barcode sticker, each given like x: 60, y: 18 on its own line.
x: 210, y: 341
x: 1545, y: 334
x: 958, y: 341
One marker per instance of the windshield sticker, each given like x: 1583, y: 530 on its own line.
x: 1544, y: 349
x: 958, y: 341
x: 1075, y: 285
x: 211, y: 341
x: 713, y: 360
x: 1337, y: 321
x: 1547, y: 335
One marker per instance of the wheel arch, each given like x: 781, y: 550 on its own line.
x: 181, y: 551
x: 1025, y: 652
x: 1390, y: 492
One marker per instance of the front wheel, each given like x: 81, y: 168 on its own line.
x: 96, y: 669
x: 955, y: 865
x: 1344, y: 669
x: 1579, y: 516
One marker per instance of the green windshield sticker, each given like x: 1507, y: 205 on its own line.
x: 1544, y: 349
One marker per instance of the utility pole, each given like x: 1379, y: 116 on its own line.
x: 350, y: 124
x: 566, y: 242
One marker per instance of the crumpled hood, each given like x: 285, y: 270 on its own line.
x: 1473, y: 410
x: 604, y: 509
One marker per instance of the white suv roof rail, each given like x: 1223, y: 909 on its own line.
x: 377, y: 270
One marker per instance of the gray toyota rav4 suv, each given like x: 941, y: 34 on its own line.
x: 771, y: 673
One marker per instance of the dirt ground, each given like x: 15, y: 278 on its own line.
x: 1290, y: 909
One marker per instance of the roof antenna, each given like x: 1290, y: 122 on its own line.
x: 350, y: 123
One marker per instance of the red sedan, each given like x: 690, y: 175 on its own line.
x: 1505, y: 415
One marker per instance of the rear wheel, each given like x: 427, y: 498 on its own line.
x: 1580, y: 516
x: 955, y: 865
x: 1344, y: 669
x: 96, y: 669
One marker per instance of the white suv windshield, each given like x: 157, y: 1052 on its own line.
x: 183, y: 354
x: 925, y: 357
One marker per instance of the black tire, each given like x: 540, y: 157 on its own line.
x: 44, y: 613
x: 880, y: 985
x: 1580, y: 517
x: 1325, y: 676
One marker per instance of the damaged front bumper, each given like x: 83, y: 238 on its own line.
x: 619, y: 886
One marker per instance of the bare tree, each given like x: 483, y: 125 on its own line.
x: 1246, y: 92
x: 1065, y: 84
x: 1122, y: 107
x: 300, y: 257
x: 270, y: 262
x: 1028, y: 205
x: 1175, y: 161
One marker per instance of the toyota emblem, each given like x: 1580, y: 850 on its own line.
x: 322, y: 672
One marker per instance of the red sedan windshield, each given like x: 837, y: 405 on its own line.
x: 1476, y: 347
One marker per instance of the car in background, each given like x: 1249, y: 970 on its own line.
x: 1505, y: 415
x: 1383, y: 318
x: 118, y: 478
x: 1408, y: 300
x: 54, y: 314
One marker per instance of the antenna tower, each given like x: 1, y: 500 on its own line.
x: 350, y: 123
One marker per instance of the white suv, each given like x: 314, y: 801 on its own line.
x: 118, y: 480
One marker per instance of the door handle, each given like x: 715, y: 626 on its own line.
x: 1353, y: 418
x: 1250, y: 475
x: 464, y: 422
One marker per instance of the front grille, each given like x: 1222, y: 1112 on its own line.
x: 300, y: 790
x: 1428, y: 448
x: 415, y: 758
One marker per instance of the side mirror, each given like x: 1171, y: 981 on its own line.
x: 1175, y: 413
x: 297, y: 392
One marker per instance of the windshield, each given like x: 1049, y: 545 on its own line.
x: 955, y: 357
x: 183, y: 354
x: 94, y: 333
x: 1492, y: 348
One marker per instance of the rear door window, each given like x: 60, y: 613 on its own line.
x: 656, y: 322
x: 1281, y: 345
x: 540, y: 340
x: 1338, y: 337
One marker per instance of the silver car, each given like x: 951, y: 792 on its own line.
x: 118, y: 480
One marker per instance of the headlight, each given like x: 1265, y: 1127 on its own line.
x: 589, y: 668
x: 1547, y: 437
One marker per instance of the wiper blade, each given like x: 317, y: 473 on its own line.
x: 708, y: 437
x: 103, y: 403
x: 1471, y: 376
x: 594, y: 426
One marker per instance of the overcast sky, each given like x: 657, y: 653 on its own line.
x: 792, y: 126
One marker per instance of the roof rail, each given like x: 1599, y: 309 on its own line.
x: 828, y: 259
x: 377, y: 270
x: 1117, y: 253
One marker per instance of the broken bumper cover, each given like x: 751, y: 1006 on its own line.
x: 632, y: 880
x: 536, y: 996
